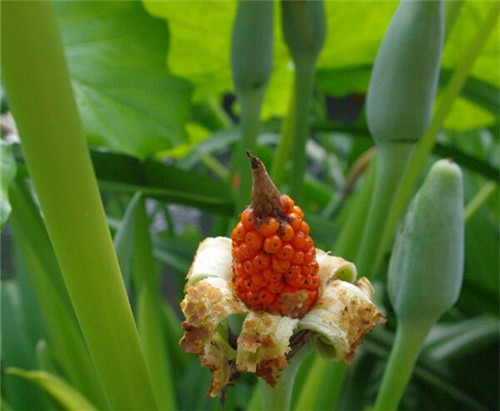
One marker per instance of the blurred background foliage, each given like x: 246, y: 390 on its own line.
x: 153, y: 85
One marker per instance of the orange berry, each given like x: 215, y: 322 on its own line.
x: 298, y: 240
x: 272, y: 244
x: 258, y: 279
x: 295, y: 221
x: 298, y: 257
x: 309, y: 255
x: 250, y: 285
x: 239, y: 269
x: 297, y: 282
x: 287, y: 203
x: 254, y: 240
x: 297, y: 210
x: 272, y: 276
x: 275, y: 287
x: 268, y: 226
x: 246, y: 251
x: 312, y: 282
x: 280, y: 266
x: 292, y: 272
x: 315, y: 265
x: 285, y: 252
x: 266, y: 297
x: 286, y: 232
x: 304, y: 227
x: 262, y: 261
x: 238, y: 233
x: 248, y: 219
x: 250, y: 268
x: 239, y: 285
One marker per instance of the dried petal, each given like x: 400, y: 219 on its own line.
x: 341, y: 317
x: 213, y: 259
x: 263, y: 344
x: 205, y: 305
x: 335, y: 267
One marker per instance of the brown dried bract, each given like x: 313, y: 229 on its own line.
x: 266, y: 199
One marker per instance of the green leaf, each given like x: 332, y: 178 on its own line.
x: 342, y: 65
x: 16, y: 349
x: 123, y: 239
x: 487, y: 64
x: 43, y: 273
x: 64, y: 393
x: 121, y: 173
x: 128, y: 100
x: 7, y: 174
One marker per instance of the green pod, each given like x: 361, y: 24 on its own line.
x: 304, y: 28
x: 252, y: 45
x: 405, y: 74
x: 426, y: 268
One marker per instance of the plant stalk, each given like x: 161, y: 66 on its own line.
x: 285, y: 142
x: 392, y: 159
x: 38, y: 86
x: 404, y: 354
x: 303, y: 88
x: 279, y: 397
x: 250, y: 104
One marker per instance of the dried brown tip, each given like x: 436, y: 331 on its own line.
x: 266, y: 199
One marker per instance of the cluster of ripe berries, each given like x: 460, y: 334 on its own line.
x: 273, y: 256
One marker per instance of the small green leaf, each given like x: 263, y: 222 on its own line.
x: 128, y: 101
x: 123, y: 239
x: 7, y: 174
x: 64, y: 393
x: 121, y: 173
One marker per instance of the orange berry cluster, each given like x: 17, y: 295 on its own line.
x: 273, y: 256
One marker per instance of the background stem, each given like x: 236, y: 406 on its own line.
x: 392, y: 159
x: 250, y: 105
x: 404, y: 353
x: 278, y: 398
x: 38, y: 86
x: 303, y: 88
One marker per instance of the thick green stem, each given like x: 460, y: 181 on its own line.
x: 404, y: 353
x: 285, y: 143
x: 38, y: 86
x: 425, y: 146
x: 279, y: 397
x: 348, y: 240
x: 303, y: 88
x: 250, y: 104
x: 392, y: 160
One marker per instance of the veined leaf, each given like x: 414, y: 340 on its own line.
x: 345, y: 50
x: 127, y: 99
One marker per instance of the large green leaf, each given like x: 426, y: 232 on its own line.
x: 354, y: 32
x: 128, y: 100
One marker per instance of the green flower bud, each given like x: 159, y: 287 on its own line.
x: 426, y: 268
x: 405, y: 74
x: 304, y: 27
x: 252, y: 44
